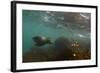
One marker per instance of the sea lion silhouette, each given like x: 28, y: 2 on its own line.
x: 41, y: 40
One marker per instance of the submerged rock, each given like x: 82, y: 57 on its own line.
x: 62, y: 44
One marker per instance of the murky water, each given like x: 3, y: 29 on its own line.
x: 55, y: 25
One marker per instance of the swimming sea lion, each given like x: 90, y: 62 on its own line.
x: 41, y: 40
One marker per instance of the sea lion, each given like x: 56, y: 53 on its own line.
x: 41, y: 40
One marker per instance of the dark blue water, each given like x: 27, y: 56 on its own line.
x: 53, y: 25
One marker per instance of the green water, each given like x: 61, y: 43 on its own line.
x: 49, y: 24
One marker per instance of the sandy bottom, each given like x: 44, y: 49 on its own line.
x: 39, y: 55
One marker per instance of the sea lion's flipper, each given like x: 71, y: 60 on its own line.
x: 50, y: 42
x: 38, y: 44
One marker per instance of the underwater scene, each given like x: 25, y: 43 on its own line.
x: 55, y: 36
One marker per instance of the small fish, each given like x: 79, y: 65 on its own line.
x: 41, y: 40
